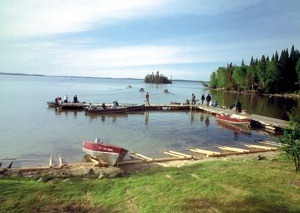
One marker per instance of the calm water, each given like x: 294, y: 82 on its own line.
x: 29, y: 129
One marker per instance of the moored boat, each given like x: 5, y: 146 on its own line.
x: 109, y: 153
x: 100, y: 110
x: 70, y: 105
x: 132, y: 108
x: 52, y: 104
x: 235, y: 128
x: 234, y: 119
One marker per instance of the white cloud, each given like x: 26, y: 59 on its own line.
x: 38, y: 18
x: 35, y: 18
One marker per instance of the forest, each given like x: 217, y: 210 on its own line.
x: 157, y: 79
x: 280, y: 74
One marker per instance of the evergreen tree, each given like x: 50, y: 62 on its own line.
x: 298, y: 73
x: 221, y: 77
x: 213, y: 83
x: 261, y: 72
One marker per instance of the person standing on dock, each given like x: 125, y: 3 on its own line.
x: 208, y: 98
x: 66, y: 99
x: 75, y: 99
x: 238, y: 106
x: 193, y: 99
x: 147, y: 99
x: 202, y: 99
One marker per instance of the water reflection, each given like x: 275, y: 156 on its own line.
x: 58, y: 111
x: 270, y: 106
x: 107, y: 117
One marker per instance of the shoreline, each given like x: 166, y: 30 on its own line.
x: 90, y: 169
x: 252, y: 92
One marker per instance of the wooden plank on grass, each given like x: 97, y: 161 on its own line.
x: 261, y: 147
x: 144, y: 157
x: 233, y: 149
x: 180, y: 154
x: 172, y: 154
x: 206, y: 152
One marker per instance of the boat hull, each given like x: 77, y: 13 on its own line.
x: 52, y: 104
x: 111, y: 154
x: 78, y: 106
x: 106, y: 111
x: 237, y: 120
x: 136, y: 108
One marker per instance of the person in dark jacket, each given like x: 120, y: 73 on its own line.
x: 202, y: 99
x: 208, y: 99
x: 238, y: 106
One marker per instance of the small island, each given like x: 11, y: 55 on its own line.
x: 157, y: 79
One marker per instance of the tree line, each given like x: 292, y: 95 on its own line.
x: 157, y: 79
x: 280, y: 74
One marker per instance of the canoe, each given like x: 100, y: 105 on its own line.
x: 234, y: 119
x: 100, y: 111
x: 109, y: 153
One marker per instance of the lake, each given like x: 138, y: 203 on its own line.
x: 31, y: 130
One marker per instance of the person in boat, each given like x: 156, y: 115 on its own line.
x: 187, y: 101
x: 98, y: 140
x: 115, y: 105
x: 216, y: 104
x: 193, y: 99
x: 66, y: 99
x: 238, y: 106
x: 75, y: 99
x: 147, y: 99
x: 202, y: 99
x: 208, y: 99
x: 58, y: 100
x: 103, y: 105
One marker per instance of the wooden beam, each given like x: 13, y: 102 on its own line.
x: 233, y: 149
x: 261, y: 147
x: 172, y: 154
x: 271, y: 143
x: 206, y: 152
x: 179, y: 153
x: 143, y: 157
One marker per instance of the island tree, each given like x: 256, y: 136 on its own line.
x: 157, y: 79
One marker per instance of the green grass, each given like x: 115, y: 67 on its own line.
x: 235, y: 185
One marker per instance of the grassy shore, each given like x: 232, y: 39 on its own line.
x: 236, y: 184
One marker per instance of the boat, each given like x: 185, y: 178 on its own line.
x: 100, y: 110
x: 109, y: 153
x: 234, y: 119
x: 235, y: 128
x: 52, y: 104
x: 132, y: 108
x: 71, y: 105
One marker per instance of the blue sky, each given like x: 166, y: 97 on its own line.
x: 184, y: 39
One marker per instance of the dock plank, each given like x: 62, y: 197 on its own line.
x: 261, y: 147
x: 233, y: 149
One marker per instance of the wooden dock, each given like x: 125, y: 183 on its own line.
x: 197, y: 153
x: 270, y: 124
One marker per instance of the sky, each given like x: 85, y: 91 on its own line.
x: 182, y: 39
